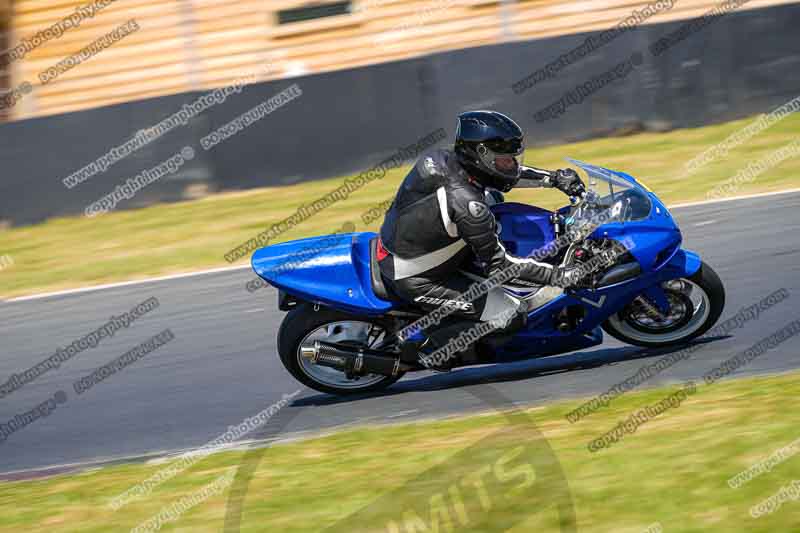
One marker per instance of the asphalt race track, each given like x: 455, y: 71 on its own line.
x: 222, y: 365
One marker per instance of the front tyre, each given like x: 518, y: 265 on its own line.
x: 696, y: 304
x: 303, y: 325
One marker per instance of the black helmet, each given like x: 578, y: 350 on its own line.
x: 490, y: 147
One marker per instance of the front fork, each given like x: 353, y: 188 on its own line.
x: 683, y: 264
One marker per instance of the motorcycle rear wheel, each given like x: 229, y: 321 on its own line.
x: 302, y: 325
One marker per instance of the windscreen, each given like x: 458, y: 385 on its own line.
x: 624, y: 200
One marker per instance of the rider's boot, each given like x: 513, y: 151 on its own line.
x: 435, y: 340
x: 445, y: 347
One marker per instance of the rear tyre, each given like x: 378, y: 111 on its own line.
x: 698, y: 302
x: 302, y: 325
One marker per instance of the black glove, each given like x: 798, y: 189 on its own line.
x: 574, y: 277
x: 568, y: 182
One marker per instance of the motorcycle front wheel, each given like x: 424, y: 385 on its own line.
x: 696, y: 304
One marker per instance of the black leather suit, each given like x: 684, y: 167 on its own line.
x: 439, y: 217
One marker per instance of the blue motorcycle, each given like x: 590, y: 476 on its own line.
x: 340, y: 335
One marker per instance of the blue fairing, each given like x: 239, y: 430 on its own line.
x: 655, y: 236
x: 684, y: 264
x: 523, y: 228
x: 541, y: 337
x: 331, y: 270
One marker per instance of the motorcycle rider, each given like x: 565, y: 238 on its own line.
x: 440, y: 218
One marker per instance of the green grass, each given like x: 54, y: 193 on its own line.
x: 673, y: 470
x: 163, y: 239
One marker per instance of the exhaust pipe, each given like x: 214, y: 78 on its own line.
x: 356, y: 361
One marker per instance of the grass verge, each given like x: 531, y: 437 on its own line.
x: 673, y: 470
x: 164, y: 239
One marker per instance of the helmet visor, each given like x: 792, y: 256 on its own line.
x: 503, y: 158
